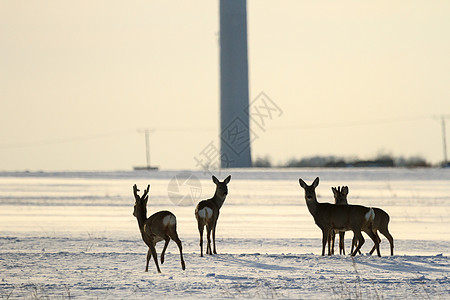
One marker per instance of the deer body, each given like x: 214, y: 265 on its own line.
x: 380, y: 221
x: 207, y: 214
x: 161, y: 226
x: 330, y: 217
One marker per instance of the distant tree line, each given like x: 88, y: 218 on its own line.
x: 340, y: 162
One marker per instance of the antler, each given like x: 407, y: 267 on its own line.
x: 136, y: 190
x: 146, y: 192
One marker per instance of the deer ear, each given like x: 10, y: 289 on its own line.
x: 215, y: 180
x: 227, y: 180
x: 316, y: 182
x: 302, y: 183
x: 345, y: 190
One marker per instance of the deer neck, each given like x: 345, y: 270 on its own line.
x: 218, y: 200
x: 141, y: 218
x: 313, y: 206
x: 340, y: 201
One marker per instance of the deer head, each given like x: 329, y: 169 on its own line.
x: 310, y: 190
x: 340, y: 194
x: 221, y: 187
x: 140, y: 205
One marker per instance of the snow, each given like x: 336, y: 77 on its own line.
x: 73, y: 235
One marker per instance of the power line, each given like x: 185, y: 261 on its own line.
x: 65, y: 140
x: 193, y: 130
x: 351, y: 124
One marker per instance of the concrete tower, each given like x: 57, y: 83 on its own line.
x: 234, y: 99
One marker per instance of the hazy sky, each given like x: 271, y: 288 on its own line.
x: 78, y: 78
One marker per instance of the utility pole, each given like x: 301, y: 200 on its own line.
x: 146, y: 132
x: 444, y: 137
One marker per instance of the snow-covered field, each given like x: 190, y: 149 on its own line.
x: 72, y: 235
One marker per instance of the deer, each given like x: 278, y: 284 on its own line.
x: 161, y: 226
x: 330, y: 217
x: 207, y: 214
x: 340, y: 198
x: 380, y: 221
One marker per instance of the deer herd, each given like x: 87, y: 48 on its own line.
x: 330, y: 218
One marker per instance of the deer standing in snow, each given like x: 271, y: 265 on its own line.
x: 341, y: 217
x: 207, y: 214
x: 380, y: 221
x: 161, y: 226
x: 340, y: 198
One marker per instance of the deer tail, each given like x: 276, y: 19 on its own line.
x: 370, y: 215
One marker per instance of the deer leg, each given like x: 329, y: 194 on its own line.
x: 155, y: 257
x: 180, y: 246
x: 353, y: 244
x: 386, y: 233
x: 214, y: 238
x: 325, y: 236
x: 208, y: 237
x: 149, y: 255
x: 200, y: 230
x: 375, y: 238
x: 341, y: 243
x: 331, y: 232
x: 331, y: 239
x: 178, y: 242
x: 167, y: 240
x: 360, y: 238
x: 359, y: 251
x: 378, y: 239
x: 391, y: 241
x: 174, y: 236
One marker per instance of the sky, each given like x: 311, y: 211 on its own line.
x: 78, y: 79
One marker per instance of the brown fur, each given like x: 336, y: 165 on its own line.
x: 380, y: 222
x: 161, y: 226
x: 214, y: 204
x: 329, y: 217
